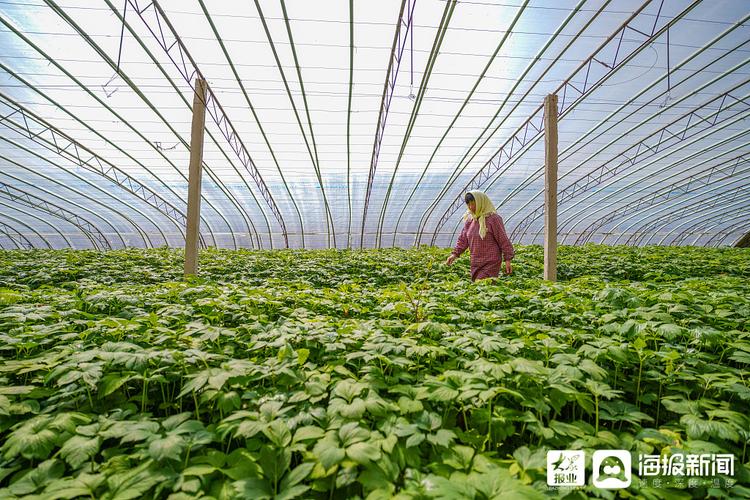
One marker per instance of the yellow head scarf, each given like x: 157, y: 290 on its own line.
x: 484, y: 208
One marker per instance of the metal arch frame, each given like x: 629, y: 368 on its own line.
x: 313, y: 159
x: 575, y: 217
x: 215, y: 178
x: 98, y: 134
x: 594, y: 177
x: 348, y: 126
x: 70, y: 149
x: 721, y: 243
x: 647, y: 230
x: 707, y: 228
x: 213, y: 107
x: 520, y: 139
x: 569, y: 151
x: 619, y: 236
x: 654, y: 226
x: 8, y: 230
x: 677, y: 202
x: 710, y: 210
x: 519, y: 80
x: 92, y: 232
x: 58, y: 183
x: 541, y: 208
x: 107, y: 107
x: 391, y: 76
x: 60, y: 12
x: 656, y: 150
x: 663, y: 195
x: 450, y: 6
x: 39, y: 235
x: 647, y: 223
x: 178, y: 92
x: 459, y: 170
x: 255, y: 116
x: 725, y: 233
x: 719, y: 213
x: 147, y: 101
x: 2, y: 247
x: 329, y: 214
x: 31, y: 152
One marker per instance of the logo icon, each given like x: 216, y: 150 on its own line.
x: 612, y: 469
x: 566, y: 468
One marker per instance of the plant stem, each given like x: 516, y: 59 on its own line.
x: 596, y: 407
x: 143, y: 396
x: 638, y: 386
x: 489, y: 422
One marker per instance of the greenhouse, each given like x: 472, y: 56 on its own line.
x: 397, y: 249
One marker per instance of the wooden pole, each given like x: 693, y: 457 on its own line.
x: 194, y: 179
x: 550, y: 187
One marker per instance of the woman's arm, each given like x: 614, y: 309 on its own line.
x: 461, y: 246
x: 497, y: 228
x: 463, y: 243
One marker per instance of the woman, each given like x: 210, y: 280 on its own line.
x: 484, y: 235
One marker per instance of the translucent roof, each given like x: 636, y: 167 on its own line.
x: 363, y: 123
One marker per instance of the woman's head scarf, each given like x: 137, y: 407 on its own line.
x: 483, y: 209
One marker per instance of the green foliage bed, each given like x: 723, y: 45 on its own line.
x: 335, y: 374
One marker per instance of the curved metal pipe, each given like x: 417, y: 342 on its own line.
x: 39, y: 235
x: 672, y: 204
x: 95, y: 164
x: 652, y: 144
x: 77, y: 176
x: 255, y: 116
x: 103, y: 138
x: 18, y: 239
x: 727, y: 234
x: 570, y: 151
x: 720, y: 215
x: 674, y: 210
x: 450, y: 6
x: 108, y: 108
x: 329, y: 220
x: 60, y: 12
x: 661, y: 196
x: 717, y: 208
x: 720, y: 235
x: 40, y: 202
x: 587, y: 209
x: 709, y: 208
x: 459, y: 170
x: 520, y: 140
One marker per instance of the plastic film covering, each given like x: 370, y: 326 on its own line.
x: 361, y: 124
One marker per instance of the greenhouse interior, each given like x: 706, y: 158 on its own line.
x: 329, y: 249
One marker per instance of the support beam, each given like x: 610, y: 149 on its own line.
x: 194, y: 179
x: 593, y: 73
x: 550, y: 187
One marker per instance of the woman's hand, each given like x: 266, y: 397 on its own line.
x: 451, y: 258
x: 508, y: 268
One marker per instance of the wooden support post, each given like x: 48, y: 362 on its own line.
x: 550, y: 187
x: 194, y: 179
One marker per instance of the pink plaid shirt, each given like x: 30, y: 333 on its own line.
x: 486, y: 254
